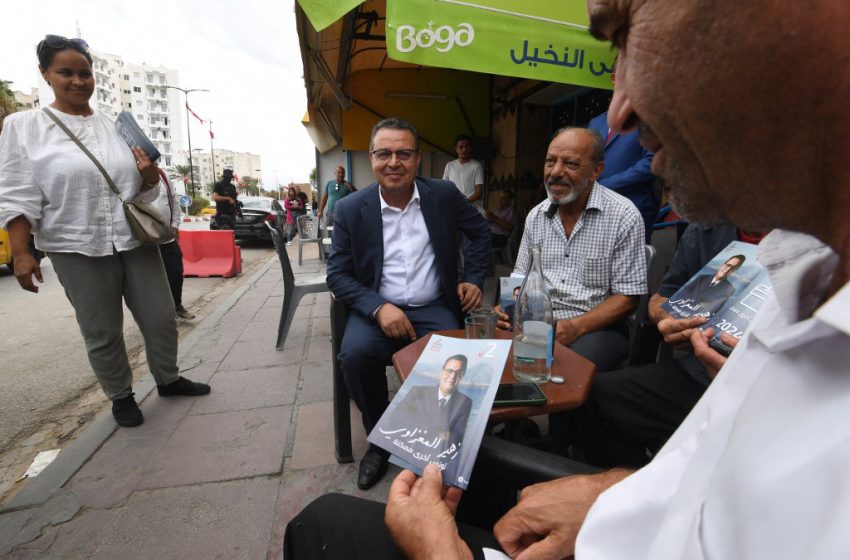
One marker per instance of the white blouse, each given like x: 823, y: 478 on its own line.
x: 47, y: 178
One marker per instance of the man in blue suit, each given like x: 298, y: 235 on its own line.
x: 394, y: 263
x: 628, y: 169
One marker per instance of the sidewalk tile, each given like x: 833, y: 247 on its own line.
x: 231, y: 520
x: 256, y: 354
x: 265, y: 331
x: 119, y: 466
x: 314, y: 436
x: 320, y: 349
x: 247, y: 389
x: 316, y: 382
x: 78, y: 538
x: 225, y: 446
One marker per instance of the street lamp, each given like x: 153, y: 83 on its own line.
x: 186, y: 93
x: 258, y: 171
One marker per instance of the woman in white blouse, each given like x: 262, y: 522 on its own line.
x: 48, y: 186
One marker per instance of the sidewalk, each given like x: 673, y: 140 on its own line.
x: 213, y: 477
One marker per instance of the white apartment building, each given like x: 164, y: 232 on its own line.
x: 243, y: 164
x: 139, y: 89
x: 28, y: 100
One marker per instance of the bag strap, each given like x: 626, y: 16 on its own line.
x: 84, y: 149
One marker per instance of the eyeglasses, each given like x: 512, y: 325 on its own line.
x: 58, y: 42
x: 384, y: 156
x: 454, y: 372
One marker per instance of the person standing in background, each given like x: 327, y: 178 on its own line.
x: 334, y: 190
x: 172, y: 256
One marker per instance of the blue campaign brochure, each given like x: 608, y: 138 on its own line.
x: 440, y: 412
x: 728, y: 290
x: 132, y: 134
x: 509, y: 287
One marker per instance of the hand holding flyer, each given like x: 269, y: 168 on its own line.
x: 439, y: 414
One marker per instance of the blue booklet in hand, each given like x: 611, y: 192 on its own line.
x: 728, y: 291
x: 441, y: 410
x: 132, y: 133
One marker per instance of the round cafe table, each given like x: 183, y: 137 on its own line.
x: 577, y: 372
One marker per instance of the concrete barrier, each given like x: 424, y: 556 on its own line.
x: 210, y: 253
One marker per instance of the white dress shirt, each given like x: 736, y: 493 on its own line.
x: 759, y: 469
x: 409, y: 276
x: 47, y: 178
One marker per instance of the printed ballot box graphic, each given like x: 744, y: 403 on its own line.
x: 729, y: 290
x: 441, y: 410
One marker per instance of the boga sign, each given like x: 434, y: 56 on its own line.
x: 544, y: 40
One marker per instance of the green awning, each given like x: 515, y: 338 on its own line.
x: 540, y: 39
x: 322, y: 13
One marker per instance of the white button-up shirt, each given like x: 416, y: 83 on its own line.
x: 47, y: 178
x: 409, y: 275
x: 759, y: 469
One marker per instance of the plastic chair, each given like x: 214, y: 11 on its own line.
x: 293, y: 288
x: 643, y: 335
x: 308, y: 232
x: 342, y: 412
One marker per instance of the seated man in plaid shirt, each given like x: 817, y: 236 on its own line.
x: 592, y: 250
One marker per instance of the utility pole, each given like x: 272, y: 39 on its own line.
x: 186, y: 93
x: 212, y: 153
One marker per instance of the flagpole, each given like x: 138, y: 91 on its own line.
x: 186, y: 93
x: 212, y: 153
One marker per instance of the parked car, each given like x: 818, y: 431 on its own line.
x: 256, y: 211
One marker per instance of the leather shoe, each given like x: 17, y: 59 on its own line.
x: 373, y: 466
x: 183, y: 387
x: 126, y: 412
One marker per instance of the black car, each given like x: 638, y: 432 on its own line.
x: 256, y: 211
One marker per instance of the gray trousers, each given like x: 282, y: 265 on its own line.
x: 95, y: 286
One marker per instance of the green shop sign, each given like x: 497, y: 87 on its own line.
x: 540, y: 39
x: 322, y: 13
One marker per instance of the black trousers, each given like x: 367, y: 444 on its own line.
x: 172, y: 258
x: 338, y: 526
x: 632, y: 411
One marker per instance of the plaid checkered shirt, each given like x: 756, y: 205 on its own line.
x: 603, y: 257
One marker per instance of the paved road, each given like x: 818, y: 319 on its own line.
x: 43, y: 366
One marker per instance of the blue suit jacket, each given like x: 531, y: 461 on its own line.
x: 357, y: 249
x: 627, y: 168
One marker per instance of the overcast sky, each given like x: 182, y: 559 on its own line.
x: 245, y: 52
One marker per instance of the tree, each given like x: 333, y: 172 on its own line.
x: 249, y: 185
x: 313, y: 177
x: 8, y: 103
x: 184, y: 173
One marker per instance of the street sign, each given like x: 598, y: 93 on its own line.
x: 185, y: 201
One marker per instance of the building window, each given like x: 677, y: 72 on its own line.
x: 126, y: 76
x: 137, y: 89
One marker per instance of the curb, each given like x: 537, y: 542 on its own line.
x: 41, y: 488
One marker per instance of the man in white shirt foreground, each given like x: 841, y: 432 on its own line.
x: 759, y: 467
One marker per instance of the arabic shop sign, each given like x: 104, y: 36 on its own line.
x: 545, y: 41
